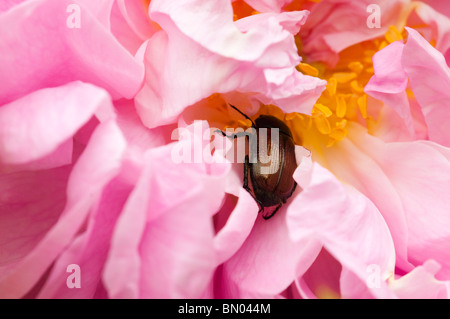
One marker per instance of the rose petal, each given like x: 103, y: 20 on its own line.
x: 390, y: 81
x: 239, y: 225
x: 430, y: 81
x: 336, y: 25
x: 44, y: 121
x: 268, y: 5
x: 28, y: 210
x: 349, y: 226
x: 255, y: 63
x: 90, y: 249
x: 39, y: 50
x: 164, y: 237
x: 321, y: 280
x: 100, y: 9
x: 8, y: 4
x: 131, y: 23
x: 414, y: 177
x: 98, y: 164
x: 421, y: 283
x: 432, y: 23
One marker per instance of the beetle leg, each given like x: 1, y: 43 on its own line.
x: 246, y: 174
x: 273, y: 213
x: 233, y: 136
x: 292, y: 192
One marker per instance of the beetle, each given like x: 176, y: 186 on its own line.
x: 270, y: 190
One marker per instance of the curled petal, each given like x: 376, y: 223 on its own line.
x: 164, y: 237
x: 230, y: 238
x: 98, y: 164
x: 349, y: 226
x: 414, y: 176
x: 432, y: 23
x: 45, y: 121
x: 390, y: 82
x: 131, y: 24
x: 255, y: 55
x: 268, y: 5
x: 421, y: 283
x: 90, y: 249
x: 429, y: 75
x: 54, y: 53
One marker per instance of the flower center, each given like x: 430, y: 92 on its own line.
x: 344, y: 99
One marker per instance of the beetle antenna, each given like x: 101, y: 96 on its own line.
x: 243, y: 114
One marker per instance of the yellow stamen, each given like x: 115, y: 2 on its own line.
x: 344, y: 77
x: 344, y: 99
x: 356, y: 87
x: 362, y: 103
x: 308, y: 69
x: 320, y: 109
x: 382, y: 45
x: 332, y: 86
x: 293, y: 116
x: 322, y: 124
x: 393, y: 35
x: 356, y: 66
x: 245, y: 123
x: 338, y: 135
x: 341, y: 124
x: 341, y: 106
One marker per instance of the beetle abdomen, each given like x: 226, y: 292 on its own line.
x: 271, y: 177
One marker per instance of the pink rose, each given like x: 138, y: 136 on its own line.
x: 94, y: 204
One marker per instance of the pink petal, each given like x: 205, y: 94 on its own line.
x: 440, y: 6
x: 255, y: 63
x: 121, y: 274
x: 223, y: 288
x: 165, y: 235
x: 100, y: 9
x: 139, y: 138
x: 430, y: 81
x: 89, y: 250
x: 98, y: 164
x: 28, y: 211
x: 265, y: 246
x: 256, y: 266
x: 447, y: 57
x: 390, y: 81
x: 268, y: 5
x: 389, y: 74
x: 237, y: 228
x: 37, y: 55
x: 321, y: 280
x: 407, y: 182
x: 432, y: 23
x: 348, y: 225
x: 131, y: 23
x: 421, y: 283
x: 136, y: 14
x: 43, y: 122
x: 8, y: 4
x: 336, y: 25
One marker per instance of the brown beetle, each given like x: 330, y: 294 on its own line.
x: 270, y: 190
